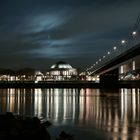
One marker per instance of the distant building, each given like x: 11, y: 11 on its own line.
x: 61, y: 71
x: 58, y: 71
x: 130, y: 70
x: 26, y: 74
x: 39, y: 76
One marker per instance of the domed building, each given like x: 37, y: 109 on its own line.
x: 61, y: 71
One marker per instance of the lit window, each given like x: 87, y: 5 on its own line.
x: 133, y: 65
x: 121, y: 69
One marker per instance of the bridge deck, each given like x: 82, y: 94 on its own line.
x: 112, y: 64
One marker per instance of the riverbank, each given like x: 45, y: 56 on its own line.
x: 20, y: 127
x: 68, y: 84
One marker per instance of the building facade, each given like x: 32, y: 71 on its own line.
x: 61, y: 71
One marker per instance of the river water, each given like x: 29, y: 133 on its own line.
x: 91, y: 114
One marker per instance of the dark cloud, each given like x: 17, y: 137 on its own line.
x: 37, y: 33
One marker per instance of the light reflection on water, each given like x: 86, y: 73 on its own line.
x: 114, y: 113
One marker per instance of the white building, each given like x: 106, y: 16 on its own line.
x: 61, y: 71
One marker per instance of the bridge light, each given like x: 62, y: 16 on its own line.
x: 104, y: 56
x: 134, y: 33
x: 108, y: 53
x: 114, y: 48
x: 123, y: 41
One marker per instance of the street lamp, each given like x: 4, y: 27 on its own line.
x: 123, y: 41
x: 134, y: 33
x: 114, y: 48
x: 108, y: 53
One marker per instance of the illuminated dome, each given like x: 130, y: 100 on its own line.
x: 61, y: 65
x: 61, y: 71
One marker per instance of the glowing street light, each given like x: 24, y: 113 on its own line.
x: 123, y: 41
x: 96, y: 62
x: 108, y: 53
x: 134, y: 33
x: 100, y: 60
x: 114, y: 48
x: 104, y: 56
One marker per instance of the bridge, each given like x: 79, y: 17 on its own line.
x: 118, y: 66
x: 122, y: 63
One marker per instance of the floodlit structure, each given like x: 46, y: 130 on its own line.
x: 38, y: 76
x: 130, y: 70
x: 61, y: 71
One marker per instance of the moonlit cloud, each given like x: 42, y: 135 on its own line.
x: 37, y: 33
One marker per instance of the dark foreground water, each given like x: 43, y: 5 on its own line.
x: 89, y: 114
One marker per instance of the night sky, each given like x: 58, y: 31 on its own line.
x: 38, y: 33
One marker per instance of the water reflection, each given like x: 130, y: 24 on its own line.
x: 130, y: 113
x: 115, y: 112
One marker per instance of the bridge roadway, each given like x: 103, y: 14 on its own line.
x: 117, y: 61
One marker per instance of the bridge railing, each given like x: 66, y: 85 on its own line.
x: 124, y: 45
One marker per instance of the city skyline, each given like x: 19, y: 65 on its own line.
x: 39, y: 33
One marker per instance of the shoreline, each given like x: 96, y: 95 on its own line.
x: 69, y: 84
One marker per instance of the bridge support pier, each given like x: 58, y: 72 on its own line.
x: 110, y: 79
